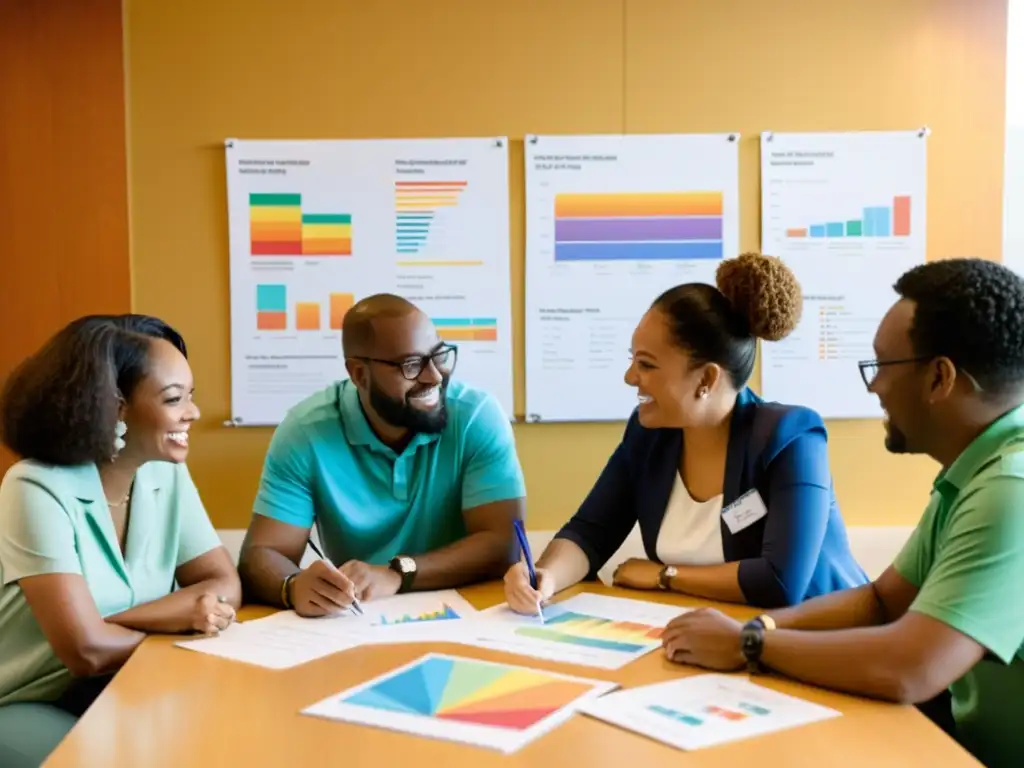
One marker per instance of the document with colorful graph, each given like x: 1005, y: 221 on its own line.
x: 497, y: 706
x: 705, y: 710
x: 611, y: 222
x: 846, y: 212
x: 590, y: 630
x: 314, y: 226
x: 415, y: 617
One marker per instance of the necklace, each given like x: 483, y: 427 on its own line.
x: 122, y: 502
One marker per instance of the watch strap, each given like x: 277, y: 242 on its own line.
x: 407, y: 576
x: 664, y: 579
x: 752, y: 644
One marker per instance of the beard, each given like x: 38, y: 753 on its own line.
x: 401, y: 413
x: 895, y: 440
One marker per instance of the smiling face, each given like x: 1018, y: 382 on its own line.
x: 383, y: 376
x: 160, y: 410
x: 899, y: 385
x: 667, y: 382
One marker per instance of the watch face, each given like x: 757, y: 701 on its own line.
x: 671, y: 572
x: 407, y: 564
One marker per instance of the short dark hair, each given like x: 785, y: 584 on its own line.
x: 357, y: 332
x: 60, y: 405
x: 757, y: 297
x: 972, y: 312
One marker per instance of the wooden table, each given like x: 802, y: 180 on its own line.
x: 173, y: 707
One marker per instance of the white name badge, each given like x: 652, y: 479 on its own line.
x: 745, y: 511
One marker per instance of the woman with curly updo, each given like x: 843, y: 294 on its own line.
x: 733, y: 494
x: 103, y: 537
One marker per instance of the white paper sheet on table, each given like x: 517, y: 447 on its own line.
x: 483, y: 703
x: 285, y: 639
x: 591, y: 630
x: 704, y: 711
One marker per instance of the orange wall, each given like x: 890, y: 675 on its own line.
x: 200, y: 72
x: 63, y: 178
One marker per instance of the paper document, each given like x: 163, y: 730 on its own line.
x: 704, y: 711
x: 482, y: 703
x: 285, y: 639
x: 592, y: 630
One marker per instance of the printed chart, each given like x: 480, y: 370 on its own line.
x: 846, y: 212
x: 704, y: 711
x: 612, y: 222
x: 315, y: 226
x: 496, y: 706
x: 591, y: 630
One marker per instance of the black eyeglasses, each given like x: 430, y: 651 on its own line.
x: 443, y: 359
x: 869, y: 368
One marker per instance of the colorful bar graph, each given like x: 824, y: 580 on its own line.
x: 467, y: 328
x: 594, y: 632
x: 638, y: 226
x: 279, y: 227
x: 417, y: 205
x: 340, y: 304
x: 307, y: 316
x: 271, y: 307
x: 876, y: 221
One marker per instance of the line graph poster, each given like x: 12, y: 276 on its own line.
x: 315, y: 226
x: 611, y: 222
x: 846, y: 211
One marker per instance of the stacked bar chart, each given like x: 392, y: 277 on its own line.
x: 278, y: 226
x: 271, y: 307
x: 875, y: 221
x: 654, y: 226
x: 467, y: 328
x: 418, y: 205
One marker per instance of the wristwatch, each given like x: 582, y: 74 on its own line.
x: 405, y: 567
x: 752, y: 641
x: 665, y: 578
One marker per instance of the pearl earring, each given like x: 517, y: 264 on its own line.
x: 702, y: 393
x: 119, y: 432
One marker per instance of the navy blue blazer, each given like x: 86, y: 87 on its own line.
x: 797, y: 551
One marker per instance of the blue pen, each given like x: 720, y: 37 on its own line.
x: 524, y: 546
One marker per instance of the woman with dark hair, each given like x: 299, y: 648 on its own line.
x: 103, y: 537
x: 733, y: 494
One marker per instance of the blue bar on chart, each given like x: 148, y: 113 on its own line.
x: 877, y: 221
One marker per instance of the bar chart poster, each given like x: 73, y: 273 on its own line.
x: 612, y: 222
x: 846, y: 211
x: 315, y: 226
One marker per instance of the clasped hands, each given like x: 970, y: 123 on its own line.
x: 324, y: 590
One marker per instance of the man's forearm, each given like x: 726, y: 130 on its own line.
x: 863, y: 661
x: 174, y: 612
x: 263, y: 571
x: 846, y: 609
x: 477, y: 557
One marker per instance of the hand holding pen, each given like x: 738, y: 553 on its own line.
x: 527, y: 588
x: 323, y: 590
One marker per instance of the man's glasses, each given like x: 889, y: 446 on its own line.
x: 869, y: 368
x: 443, y: 359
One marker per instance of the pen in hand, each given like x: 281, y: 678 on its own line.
x: 354, y: 607
x: 524, y: 546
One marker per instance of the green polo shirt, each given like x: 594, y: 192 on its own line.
x: 326, y: 465
x: 966, y: 556
x: 56, y: 520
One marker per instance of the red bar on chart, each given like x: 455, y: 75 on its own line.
x: 901, y: 216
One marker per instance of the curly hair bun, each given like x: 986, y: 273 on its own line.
x: 765, y: 291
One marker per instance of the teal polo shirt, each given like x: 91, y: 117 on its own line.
x: 56, y: 520
x: 966, y: 556
x: 325, y: 465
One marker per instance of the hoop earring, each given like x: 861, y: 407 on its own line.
x: 120, y: 429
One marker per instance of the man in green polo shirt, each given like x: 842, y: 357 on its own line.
x: 949, y: 372
x: 411, y: 477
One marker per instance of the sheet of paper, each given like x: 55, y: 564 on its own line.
x: 612, y: 221
x: 704, y: 711
x: 592, y: 630
x: 316, y: 225
x: 846, y: 212
x: 285, y: 639
x: 274, y: 642
x: 481, y: 703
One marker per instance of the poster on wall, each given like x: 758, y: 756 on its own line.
x: 612, y: 222
x: 846, y: 212
x: 317, y: 225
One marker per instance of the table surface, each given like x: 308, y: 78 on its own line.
x: 172, y: 707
